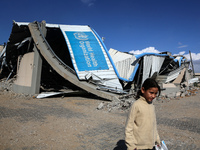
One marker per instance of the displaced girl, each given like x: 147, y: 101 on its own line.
x: 141, y: 128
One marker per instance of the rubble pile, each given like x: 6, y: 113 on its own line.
x: 6, y: 88
x: 124, y: 105
x: 6, y: 85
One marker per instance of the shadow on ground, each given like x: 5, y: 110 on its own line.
x: 120, y: 145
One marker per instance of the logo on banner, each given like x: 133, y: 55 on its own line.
x: 81, y: 36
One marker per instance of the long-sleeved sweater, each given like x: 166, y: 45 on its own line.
x: 141, y: 127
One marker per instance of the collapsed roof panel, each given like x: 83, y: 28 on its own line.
x: 151, y: 65
x: 126, y: 64
x: 174, y: 74
x: 88, y: 55
x: 62, y: 68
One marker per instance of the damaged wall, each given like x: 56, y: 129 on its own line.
x: 29, y: 74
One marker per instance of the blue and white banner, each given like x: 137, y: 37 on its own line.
x: 89, y: 57
x: 87, y: 51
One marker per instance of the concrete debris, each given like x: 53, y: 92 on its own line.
x: 122, y: 105
x: 100, y: 106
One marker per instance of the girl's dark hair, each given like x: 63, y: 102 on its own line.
x: 148, y: 83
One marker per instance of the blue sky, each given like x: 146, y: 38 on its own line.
x: 128, y: 26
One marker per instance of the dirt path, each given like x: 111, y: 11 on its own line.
x: 74, y: 123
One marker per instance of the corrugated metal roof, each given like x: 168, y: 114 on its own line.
x: 125, y: 63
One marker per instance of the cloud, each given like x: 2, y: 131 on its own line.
x: 181, y: 53
x: 88, y: 2
x: 146, y: 50
x: 182, y: 46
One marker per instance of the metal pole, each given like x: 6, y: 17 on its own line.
x: 192, y: 64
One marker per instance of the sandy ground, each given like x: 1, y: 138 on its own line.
x: 74, y: 123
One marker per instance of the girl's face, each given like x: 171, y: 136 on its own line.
x: 149, y: 94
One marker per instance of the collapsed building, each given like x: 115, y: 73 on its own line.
x: 44, y: 57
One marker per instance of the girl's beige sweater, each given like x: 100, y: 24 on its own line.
x: 141, y: 127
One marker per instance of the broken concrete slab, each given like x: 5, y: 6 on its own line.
x: 179, y: 79
x: 169, y: 85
